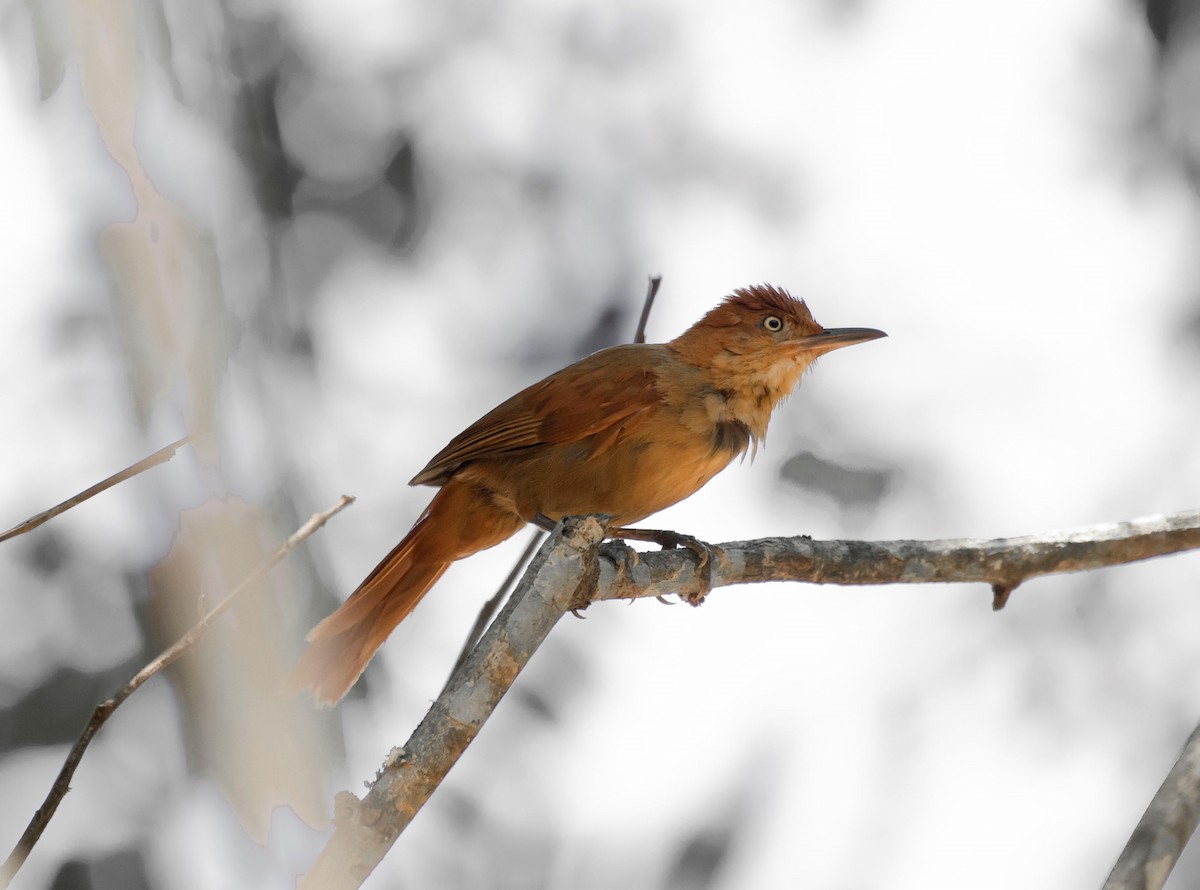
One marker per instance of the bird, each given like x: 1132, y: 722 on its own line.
x: 625, y: 432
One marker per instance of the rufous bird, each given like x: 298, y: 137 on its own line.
x: 625, y: 432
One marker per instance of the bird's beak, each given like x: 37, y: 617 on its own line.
x: 835, y: 338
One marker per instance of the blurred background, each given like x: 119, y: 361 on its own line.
x: 337, y: 233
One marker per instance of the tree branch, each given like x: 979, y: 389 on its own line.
x: 561, y: 576
x: 1165, y: 827
x: 565, y: 574
x: 1004, y: 563
x: 105, y: 709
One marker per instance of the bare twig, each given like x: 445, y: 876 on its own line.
x: 159, y: 457
x: 366, y: 829
x: 561, y: 576
x: 651, y: 293
x: 168, y: 657
x: 1165, y: 827
x: 489, y: 608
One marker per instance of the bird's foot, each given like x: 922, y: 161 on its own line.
x: 670, y: 540
x: 623, y: 556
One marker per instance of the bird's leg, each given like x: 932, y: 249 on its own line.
x: 669, y: 540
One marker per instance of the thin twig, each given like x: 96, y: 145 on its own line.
x: 1164, y: 829
x: 651, y: 293
x: 159, y: 457
x: 105, y: 709
x: 489, y: 608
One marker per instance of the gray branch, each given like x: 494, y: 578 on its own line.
x: 561, y: 576
x: 566, y: 574
x: 1002, y: 563
x: 1167, y: 824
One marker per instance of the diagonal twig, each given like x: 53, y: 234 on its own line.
x: 165, y: 659
x: 1165, y: 827
x: 159, y: 457
x: 489, y: 608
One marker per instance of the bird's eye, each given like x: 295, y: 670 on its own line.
x: 773, y: 323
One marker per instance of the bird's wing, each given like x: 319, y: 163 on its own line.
x: 598, y: 397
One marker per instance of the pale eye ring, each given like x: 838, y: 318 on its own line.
x: 773, y: 323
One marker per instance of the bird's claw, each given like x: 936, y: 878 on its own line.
x: 703, y: 553
x: 669, y: 540
x: 622, y: 555
x: 703, y: 550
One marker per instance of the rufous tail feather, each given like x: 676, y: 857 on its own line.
x: 340, y: 646
x: 457, y: 523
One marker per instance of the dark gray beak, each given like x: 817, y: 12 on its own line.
x: 835, y: 338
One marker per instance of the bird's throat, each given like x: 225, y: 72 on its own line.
x: 745, y: 395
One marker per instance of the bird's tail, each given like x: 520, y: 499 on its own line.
x: 460, y: 521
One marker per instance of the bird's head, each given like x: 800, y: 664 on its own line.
x: 766, y: 332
